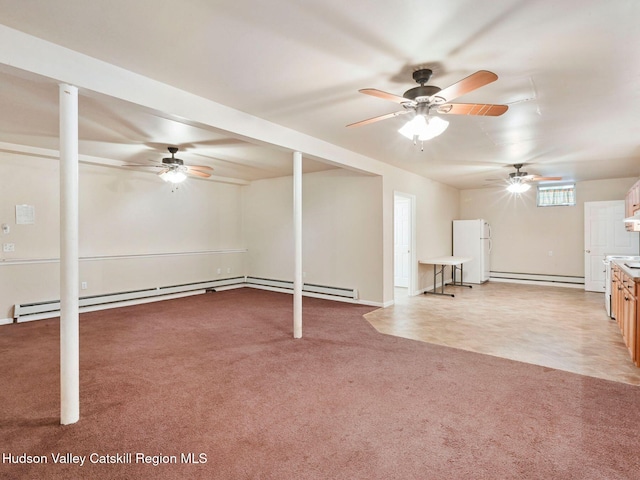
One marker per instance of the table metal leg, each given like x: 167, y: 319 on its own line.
x: 454, y: 268
x: 435, y: 282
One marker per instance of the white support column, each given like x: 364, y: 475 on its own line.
x: 69, y: 263
x: 297, y: 229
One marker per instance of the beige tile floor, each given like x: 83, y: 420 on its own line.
x: 563, y: 328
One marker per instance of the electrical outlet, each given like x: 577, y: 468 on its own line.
x: 219, y: 271
x: 83, y: 285
x: 229, y: 270
x: 8, y: 247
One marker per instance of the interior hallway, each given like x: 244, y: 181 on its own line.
x: 563, y: 328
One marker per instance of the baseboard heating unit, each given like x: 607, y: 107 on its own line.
x: 35, y: 311
x: 538, y: 279
x: 26, y: 312
x: 308, y: 288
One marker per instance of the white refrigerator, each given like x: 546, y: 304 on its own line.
x: 472, y: 238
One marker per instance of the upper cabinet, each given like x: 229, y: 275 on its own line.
x: 632, y: 205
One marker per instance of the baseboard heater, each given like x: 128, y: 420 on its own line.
x: 309, y: 288
x: 559, y: 280
x: 35, y: 311
x: 26, y: 312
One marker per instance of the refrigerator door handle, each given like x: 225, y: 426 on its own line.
x: 490, y: 245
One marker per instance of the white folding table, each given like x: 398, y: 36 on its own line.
x: 439, y: 265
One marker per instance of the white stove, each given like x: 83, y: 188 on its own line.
x: 607, y: 281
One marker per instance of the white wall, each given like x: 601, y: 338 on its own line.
x: 342, y: 230
x: 128, y: 212
x: 125, y: 215
x: 523, y: 234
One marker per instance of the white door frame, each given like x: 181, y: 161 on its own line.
x: 402, y: 242
x: 412, y: 239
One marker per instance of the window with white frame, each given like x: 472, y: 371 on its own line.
x: 557, y: 195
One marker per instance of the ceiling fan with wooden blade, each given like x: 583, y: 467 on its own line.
x: 174, y: 169
x: 428, y: 99
x: 518, y: 181
x: 524, y: 177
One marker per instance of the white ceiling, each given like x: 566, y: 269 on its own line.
x: 568, y: 70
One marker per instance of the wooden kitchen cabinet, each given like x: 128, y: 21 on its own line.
x: 617, y: 299
x: 631, y: 327
x: 632, y: 204
x: 616, y: 287
x: 624, y: 308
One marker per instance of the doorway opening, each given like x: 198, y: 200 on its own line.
x: 403, y: 245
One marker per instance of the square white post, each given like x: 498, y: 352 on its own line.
x: 297, y: 229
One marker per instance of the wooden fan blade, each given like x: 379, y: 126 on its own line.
x: 138, y: 165
x: 545, y: 179
x: 479, y: 109
x: 495, y: 180
x: 384, y: 95
x: 377, y: 119
x: 201, y: 168
x: 466, y: 85
x: 197, y: 173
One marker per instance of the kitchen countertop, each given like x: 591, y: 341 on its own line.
x: 632, y: 272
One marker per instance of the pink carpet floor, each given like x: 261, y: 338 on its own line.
x: 218, y: 377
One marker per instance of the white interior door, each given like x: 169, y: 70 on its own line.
x: 402, y: 241
x: 604, y: 234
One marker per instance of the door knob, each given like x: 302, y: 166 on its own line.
x: 587, y: 251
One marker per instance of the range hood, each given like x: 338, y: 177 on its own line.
x: 633, y: 219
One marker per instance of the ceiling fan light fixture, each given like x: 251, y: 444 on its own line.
x: 518, y: 187
x: 173, y: 176
x: 422, y: 128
